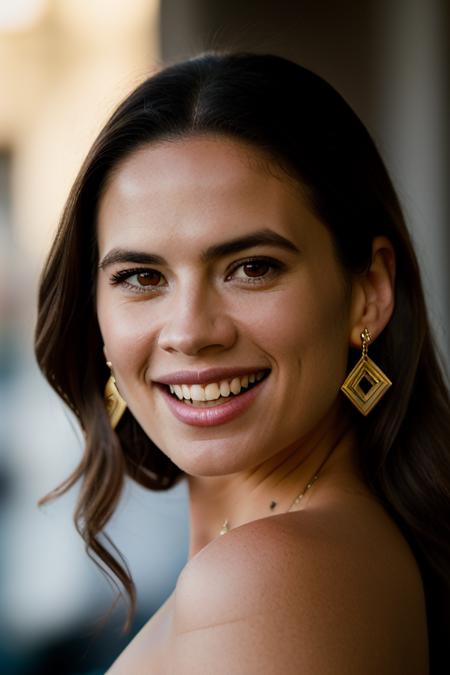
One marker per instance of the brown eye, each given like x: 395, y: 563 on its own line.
x: 150, y: 278
x: 142, y: 280
x: 256, y: 269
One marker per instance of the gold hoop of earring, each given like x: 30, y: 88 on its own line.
x: 114, y: 403
x: 366, y: 383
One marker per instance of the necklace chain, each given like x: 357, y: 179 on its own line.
x: 226, y: 525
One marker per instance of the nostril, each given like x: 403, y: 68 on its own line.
x: 197, y: 332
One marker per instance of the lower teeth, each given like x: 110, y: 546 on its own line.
x: 207, y: 404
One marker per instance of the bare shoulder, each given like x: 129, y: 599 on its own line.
x: 328, y: 590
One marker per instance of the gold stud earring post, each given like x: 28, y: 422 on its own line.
x: 366, y: 383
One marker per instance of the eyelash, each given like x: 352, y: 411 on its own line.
x: 121, y: 278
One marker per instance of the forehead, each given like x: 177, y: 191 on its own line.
x: 200, y: 157
x: 199, y: 189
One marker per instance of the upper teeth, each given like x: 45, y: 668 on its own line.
x: 214, y: 390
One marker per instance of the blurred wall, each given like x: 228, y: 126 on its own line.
x: 60, y: 78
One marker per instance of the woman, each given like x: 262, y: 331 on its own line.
x: 233, y: 260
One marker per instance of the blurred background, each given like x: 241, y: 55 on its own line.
x: 64, y: 65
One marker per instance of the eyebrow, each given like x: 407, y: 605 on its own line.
x: 265, y: 237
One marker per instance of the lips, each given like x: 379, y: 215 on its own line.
x: 217, y: 409
x: 206, y: 376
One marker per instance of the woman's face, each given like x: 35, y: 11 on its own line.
x: 216, y: 278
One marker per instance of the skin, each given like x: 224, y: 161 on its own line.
x: 298, y: 319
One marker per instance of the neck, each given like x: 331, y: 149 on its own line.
x: 248, y: 495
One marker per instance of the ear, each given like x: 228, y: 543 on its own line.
x: 373, y: 293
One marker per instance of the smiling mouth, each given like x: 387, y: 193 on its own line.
x: 216, y: 393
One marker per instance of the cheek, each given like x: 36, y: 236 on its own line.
x: 304, y: 320
x: 125, y: 334
x: 304, y: 332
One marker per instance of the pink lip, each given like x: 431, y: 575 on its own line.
x: 208, y: 417
x: 205, y: 376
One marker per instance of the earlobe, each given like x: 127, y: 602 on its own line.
x: 374, y: 293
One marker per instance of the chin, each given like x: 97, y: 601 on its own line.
x: 210, y: 457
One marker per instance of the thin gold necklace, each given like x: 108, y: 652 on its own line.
x: 226, y: 525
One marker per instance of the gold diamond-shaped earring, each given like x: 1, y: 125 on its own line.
x: 114, y: 403
x: 366, y: 383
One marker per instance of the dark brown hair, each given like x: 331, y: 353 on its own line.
x: 307, y: 127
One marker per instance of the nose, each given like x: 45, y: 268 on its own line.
x: 197, y: 321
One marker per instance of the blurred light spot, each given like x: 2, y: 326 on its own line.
x: 98, y: 18
x: 16, y: 15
